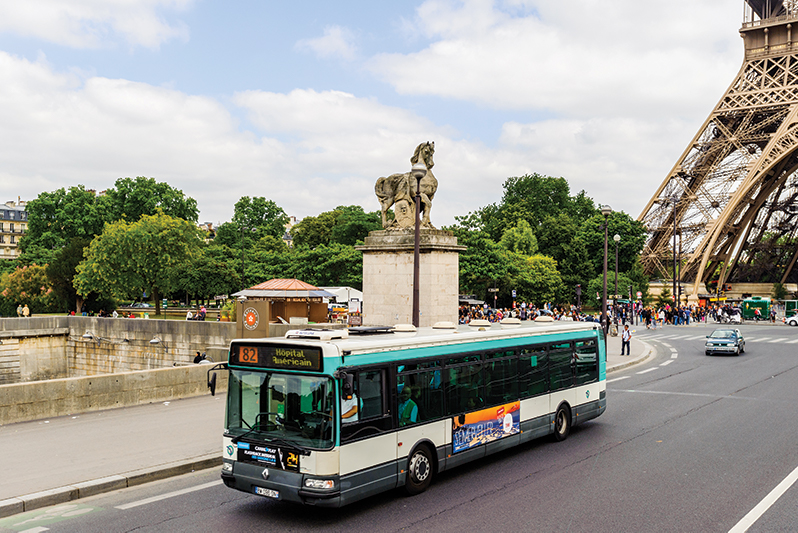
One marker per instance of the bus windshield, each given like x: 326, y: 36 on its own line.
x: 287, y: 408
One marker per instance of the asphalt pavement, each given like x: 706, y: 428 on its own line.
x: 53, y: 461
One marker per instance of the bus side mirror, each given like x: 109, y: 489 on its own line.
x: 347, y: 385
x: 212, y: 384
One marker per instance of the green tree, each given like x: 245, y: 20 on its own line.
x: 146, y: 255
x: 54, y: 218
x: 61, y: 271
x: 483, y: 264
x: 205, y: 276
x: 779, y: 291
x: 314, y: 231
x: 134, y: 198
x: 536, y: 278
x: 28, y: 285
x: 633, y: 238
x: 520, y: 239
x: 261, y: 214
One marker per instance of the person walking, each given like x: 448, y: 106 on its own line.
x: 25, y: 311
x: 626, y: 337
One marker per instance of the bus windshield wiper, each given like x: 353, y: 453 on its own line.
x: 283, y: 442
x: 255, y: 427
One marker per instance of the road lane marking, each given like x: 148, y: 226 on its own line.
x: 617, y: 379
x: 666, y: 363
x: 755, y: 513
x: 778, y: 340
x: 763, y: 339
x: 647, y: 371
x: 167, y: 495
x: 679, y: 337
x: 696, y: 394
x: 792, y: 342
x: 695, y: 338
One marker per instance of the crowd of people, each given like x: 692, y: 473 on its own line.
x: 652, y: 316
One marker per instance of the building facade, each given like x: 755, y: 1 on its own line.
x: 13, y: 223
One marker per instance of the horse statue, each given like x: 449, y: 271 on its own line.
x: 400, y: 190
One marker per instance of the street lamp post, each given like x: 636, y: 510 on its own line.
x: 674, y: 201
x: 617, y: 239
x: 418, y: 172
x: 606, y: 211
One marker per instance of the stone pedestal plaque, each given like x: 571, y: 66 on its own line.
x: 388, y: 277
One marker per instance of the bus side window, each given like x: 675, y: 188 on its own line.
x: 426, y: 394
x: 464, y: 385
x: 532, y: 371
x: 586, y: 362
x: 370, y: 388
x: 501, y: 385
x: 560, y: 359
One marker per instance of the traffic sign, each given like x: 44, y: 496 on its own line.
x: 491, y: 289
x: 513, y: 293
x: 639, y: 294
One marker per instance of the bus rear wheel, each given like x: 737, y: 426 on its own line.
x: 562, y: 423
x: 419, y: 471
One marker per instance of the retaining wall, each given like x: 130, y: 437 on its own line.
x: 20, y: 402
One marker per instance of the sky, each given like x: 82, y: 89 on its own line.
x: 309, y: 102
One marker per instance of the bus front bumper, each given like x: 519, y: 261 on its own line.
x: 282, y: 485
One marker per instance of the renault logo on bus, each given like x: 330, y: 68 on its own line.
x: 251, y: 318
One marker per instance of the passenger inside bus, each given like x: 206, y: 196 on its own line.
x: 408, y: 409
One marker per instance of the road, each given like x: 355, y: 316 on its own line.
x: 689, y: 443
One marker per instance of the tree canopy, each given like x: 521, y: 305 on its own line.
x: 147, y: 255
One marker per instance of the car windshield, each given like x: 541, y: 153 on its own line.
x: 284, y: 408
x: 723, y: 334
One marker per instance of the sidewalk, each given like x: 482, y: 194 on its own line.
x: 92, y: 453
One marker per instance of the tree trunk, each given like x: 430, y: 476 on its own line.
x: 157, y: 295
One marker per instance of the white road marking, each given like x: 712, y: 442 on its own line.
x: 792, y: 342
x: 617, y: 379
x: 647, y: 371
x: 674, y: 350
x: 696, y: 338
x: 678, y: 337
x: 778, y: 340
x: 755, y: 513
x: 38, y: 529
x: 763, y: 339
x: 666, y: 363
x: 167, y: 495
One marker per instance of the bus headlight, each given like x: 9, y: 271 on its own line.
x: 227, y: 467
x: 319, y: 483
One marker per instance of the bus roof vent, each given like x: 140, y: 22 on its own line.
x: 479, y: 323
x: 510, y: 322
x: 317, y: 334
x: 370, y: 330
x: 444, y: 325
x: 404, y: 328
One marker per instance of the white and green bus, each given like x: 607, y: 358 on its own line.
x: 330, y: 417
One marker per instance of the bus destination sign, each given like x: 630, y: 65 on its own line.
x: 282, y: 357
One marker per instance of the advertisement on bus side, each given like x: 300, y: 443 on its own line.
x: 487, y: 425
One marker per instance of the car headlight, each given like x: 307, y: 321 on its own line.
x: 319, y: 483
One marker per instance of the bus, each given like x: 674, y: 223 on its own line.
x: 328, y: 417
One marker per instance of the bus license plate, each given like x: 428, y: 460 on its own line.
x: 269, y: 493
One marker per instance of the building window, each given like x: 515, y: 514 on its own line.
x: 11, y: 215
x: 12, y: 227
x: 12, y: 240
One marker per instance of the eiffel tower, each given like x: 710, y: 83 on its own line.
x: 729, y: 207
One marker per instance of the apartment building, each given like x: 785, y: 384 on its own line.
x: 13, y: 223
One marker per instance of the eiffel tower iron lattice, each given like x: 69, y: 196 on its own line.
x: 732, y: 197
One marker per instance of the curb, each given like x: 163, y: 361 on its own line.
x: 648, y: 351
x: 68, y: 493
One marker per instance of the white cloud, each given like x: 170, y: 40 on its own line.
x: 336, y: 42
x: 577, y: 58
x: 93, y: 23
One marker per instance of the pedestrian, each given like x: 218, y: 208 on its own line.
x: 189, y: 315
x: 626, y: 337
x: 25, y: 311
x: 19, y: 310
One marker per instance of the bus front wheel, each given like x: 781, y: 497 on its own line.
x: 562, y: 423
x: 419, y: 471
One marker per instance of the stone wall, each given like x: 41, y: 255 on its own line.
x: 20, y: 402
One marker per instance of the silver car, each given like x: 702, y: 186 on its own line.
x: 725, y: 341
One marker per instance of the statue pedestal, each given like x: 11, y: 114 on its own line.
x: 388, y: 277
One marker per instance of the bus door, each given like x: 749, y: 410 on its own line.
x: 368, y: 442
x: 562, y: 373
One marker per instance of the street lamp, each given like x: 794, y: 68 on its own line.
x: 606, y: 211
x: 418, y: 171
x: 674, y: 201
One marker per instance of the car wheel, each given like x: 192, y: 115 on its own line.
x: 419, y: 471
x: 742, y: 348
x: 562, y: 423
x: 708, y: 353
